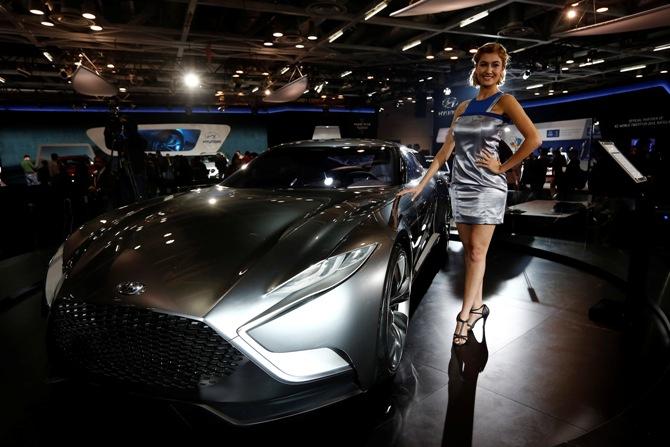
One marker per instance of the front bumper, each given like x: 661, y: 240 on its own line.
x: 177, y: 358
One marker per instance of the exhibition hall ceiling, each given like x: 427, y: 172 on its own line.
x: 353, y: 53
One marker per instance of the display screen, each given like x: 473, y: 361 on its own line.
x: 170, y: 140
x: 553, y: 133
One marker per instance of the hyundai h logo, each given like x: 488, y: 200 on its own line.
x: 130, y: 288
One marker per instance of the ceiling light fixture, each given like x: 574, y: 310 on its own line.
x: 267, y: 92
x: 265, y: 73
x: 346, y: 73
x: 239, y: 71
x: 453, y: 58
x: 2, y: 80
x: 603, y: 9
x: 634, y: 67
x: 429, y: 53
x: 311, y: 32
x: 336, y: 35
x: 96, y: 27
x: 236, y: 75
x: 370, y: 77
x: 88, y: 10
x: 662, y: 47
x: 376, y: 10
x: 570, y: 61
x: 36, y: 7
x: 530, y: 87
x: 48, y: 55
x: 448, y: 48
x: 255, y: 89
x: 664, y: 71
x: 565, y: 68
x: 277, y: 34
x: 284, y: 70
x: 639, y: 75
x: 571, y: 13
x: 191, y: 80
x: 122, y: 89
x: 110, y: 65
x: 429, y: 78
x: 473, y: 19
x: 412, y: 44
x: 267, y: 43
x: 526, y: 74
x: 47, y: 23
x: 472, y: 50
x: 299, y: 45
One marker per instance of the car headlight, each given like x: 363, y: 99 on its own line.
x: 310, y: 364
x: 327, y: 273
x: 54, y: 276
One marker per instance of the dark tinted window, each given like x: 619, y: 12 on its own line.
x: 319, y: 167
x: 414, y: 168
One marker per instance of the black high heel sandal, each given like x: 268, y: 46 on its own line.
x: 457, y: 335
x: 483, y: 312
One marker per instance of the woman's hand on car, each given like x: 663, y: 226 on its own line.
x: 415, y: 191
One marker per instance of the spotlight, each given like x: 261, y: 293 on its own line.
x: 95, y: 28
x: 36, y: 7
x: 526, y: 74
x: 446, y: 91
x: 191, y: 80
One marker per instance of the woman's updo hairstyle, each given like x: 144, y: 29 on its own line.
x: 491, y: 47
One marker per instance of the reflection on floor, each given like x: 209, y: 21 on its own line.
x: 541, y: 375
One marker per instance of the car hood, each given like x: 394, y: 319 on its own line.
x: 190, y: 250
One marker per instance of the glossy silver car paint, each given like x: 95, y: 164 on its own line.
x: 214, y: 255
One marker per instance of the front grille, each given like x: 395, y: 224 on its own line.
x: 139, y: 346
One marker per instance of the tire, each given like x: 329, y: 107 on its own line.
x: 394, y: 312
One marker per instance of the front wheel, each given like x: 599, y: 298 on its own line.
x: 394, y: 316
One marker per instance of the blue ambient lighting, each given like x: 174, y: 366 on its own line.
x: 182, y: 110
x: 597, y: 94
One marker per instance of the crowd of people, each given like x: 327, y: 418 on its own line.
x: 564, y: 176
x: 62, y: 192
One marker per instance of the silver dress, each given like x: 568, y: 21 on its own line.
x: 478, y: 196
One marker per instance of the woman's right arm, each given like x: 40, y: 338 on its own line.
x: 440, y: 158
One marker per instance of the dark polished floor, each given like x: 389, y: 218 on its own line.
x: 542, y: 374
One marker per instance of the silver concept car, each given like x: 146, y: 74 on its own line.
x: 283, y: 289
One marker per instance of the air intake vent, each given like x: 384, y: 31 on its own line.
x: 139, y: 346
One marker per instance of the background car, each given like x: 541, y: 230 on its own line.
x: 281, y: 290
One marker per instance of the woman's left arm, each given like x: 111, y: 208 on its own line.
x: 532, y: 140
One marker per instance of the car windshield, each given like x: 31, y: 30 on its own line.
x: 319, y: 167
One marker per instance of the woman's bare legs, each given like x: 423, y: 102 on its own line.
x: 476, y: 240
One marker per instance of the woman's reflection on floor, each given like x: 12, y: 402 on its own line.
x: 466, y: 362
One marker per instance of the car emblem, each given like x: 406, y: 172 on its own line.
x: 130, y: 288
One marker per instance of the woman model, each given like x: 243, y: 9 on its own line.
x: 478, y: 186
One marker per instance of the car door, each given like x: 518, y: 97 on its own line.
x: 420, y: 215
